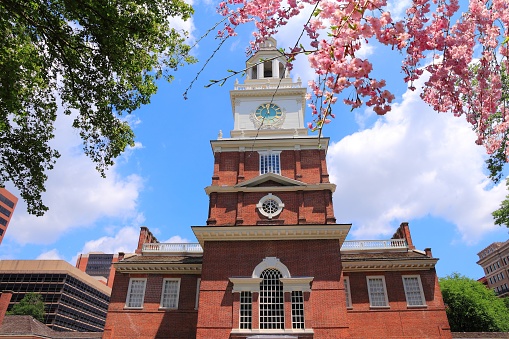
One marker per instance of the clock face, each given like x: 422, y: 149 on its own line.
x: 268, y: 113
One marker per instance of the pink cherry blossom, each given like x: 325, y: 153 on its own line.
x: 462, y: 54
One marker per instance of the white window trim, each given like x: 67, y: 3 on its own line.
x: 196, y: 303
x: 346, y: 281
x: 264, y: 153
x: 162, y: 294
x: 421, y: 291
x: 385, y: 291
x: 127, y: 299
x: 270, y: 196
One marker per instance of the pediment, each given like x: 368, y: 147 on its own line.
x: 270, y: 179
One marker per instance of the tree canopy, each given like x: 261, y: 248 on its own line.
x: 31, y: 304
x: 97, y: 60
x: 471, y: 307
x: 434, y: 37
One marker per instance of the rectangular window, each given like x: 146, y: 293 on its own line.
x: 246, y: 310
x: 170, y: 294
x: 270, y: 162
x: 3, y: 221
x: 491, y: 282
x: 504, y: 260
x: 347, y: 293
x: 297, y: 309
x: 6, y: 201
x: 5, y: 211
x: 413, y: 290
x: 198, y: 282
x: 377, y: 291
x: 136, y: 293
x: 498, y: 264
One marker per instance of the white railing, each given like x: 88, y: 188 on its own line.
x: 360, y: 245
x: 243, y: 87
x: 194, y: 248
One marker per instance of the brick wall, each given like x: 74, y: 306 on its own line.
x: 399, y: 320
x: 152, y: 322
x: 303, y: 207
x: 238, y: 259
x: 5, y: 299
x: 231, y: 168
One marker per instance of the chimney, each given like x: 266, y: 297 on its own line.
x: 428, y: 252
x: 5, y: 299
x: 403, y: 232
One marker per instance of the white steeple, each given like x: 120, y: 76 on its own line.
x: 268, y: 103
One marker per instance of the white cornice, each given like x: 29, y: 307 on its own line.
x: 389, y: 265
x: 271, y: 232
x: 231, y: 189
x: 297, y: 284
x: 241, y: 284
x: 281, y: 144
x: 270, y: 176
x: 157, y: 267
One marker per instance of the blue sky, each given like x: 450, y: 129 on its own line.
x: 411, y: 165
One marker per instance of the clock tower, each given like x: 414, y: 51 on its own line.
x: 271, y: 262
x: 271, y: 239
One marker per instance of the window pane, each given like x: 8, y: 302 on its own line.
x: 413, y: 291
x: 297, y: 309
x: 170, y: 294
x: 347, y: 293
x: 245, y: 310
x: 271, y: 300
x: 136, y: 293
x: 376, y: 292
x: 270, y: 163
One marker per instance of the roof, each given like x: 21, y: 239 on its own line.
x: 26, y: 325
x: 362, y: 256
x: 51, y: 266
x: 164, y: 259
x: 409, y: 260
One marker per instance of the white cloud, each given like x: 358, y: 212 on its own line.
x: 412, y: 163
x: 125, y: 240
x: 176, y: 239
x: 50, y: 255
x: 76, y: 194
x: 398, y: 8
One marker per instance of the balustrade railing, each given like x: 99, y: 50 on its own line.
x: 353, y: 245
x: 359, y: 245
x: 172, y: 248
x: 244, y: 87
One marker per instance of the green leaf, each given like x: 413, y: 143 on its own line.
x: 101, y: 59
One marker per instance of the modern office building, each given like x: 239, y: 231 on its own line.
x: 271, y: 261
x: 494, y: 260
x: 98, y: 265
x: 73, y: 300
x: 7, y: 205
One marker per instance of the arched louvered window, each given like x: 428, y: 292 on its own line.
x: 271, y: 300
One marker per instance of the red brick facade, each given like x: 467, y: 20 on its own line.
x: 7, y: 205
x: 273, y: 263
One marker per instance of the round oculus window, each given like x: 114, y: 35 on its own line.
x: 270, y: 206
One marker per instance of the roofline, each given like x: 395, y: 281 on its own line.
x: 51, y: 266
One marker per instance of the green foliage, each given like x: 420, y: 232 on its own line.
x: 471, y: 307
x: 501, y: 215
x: 506, y: 302
x: 100, y: 59
x: 31, y: 304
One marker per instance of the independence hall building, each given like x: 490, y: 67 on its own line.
x: 271, y: 261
